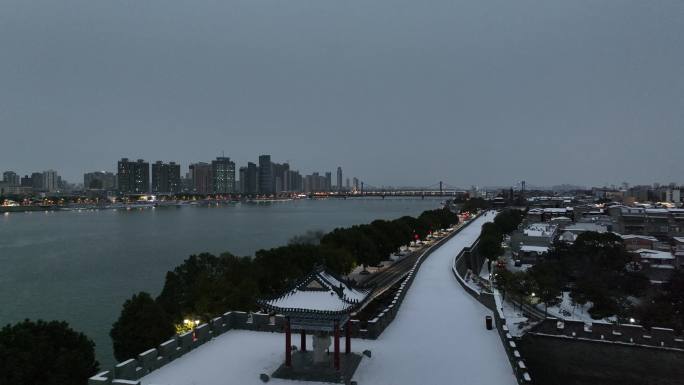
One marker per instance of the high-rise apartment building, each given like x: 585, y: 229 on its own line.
x: 50, y: 181
x: 200, y: 173
x: 99, y: 180
x: 166, y: 177
x: 250, y: 180
x: 328, y: 182
x: 280, y: 182
x: 339, y: 179
x: 11, y: 178
x: 223, y: 175
x: 266, y: 181
x: 316, y: 183
x: 133, y: 177
x: 37, y: 181
x: 26, y: 181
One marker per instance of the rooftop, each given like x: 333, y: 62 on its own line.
x: 533, y: 249
x: 318, y: 291
x: 655, y: 254
x: 637, y: 236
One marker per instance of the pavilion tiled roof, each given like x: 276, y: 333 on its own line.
x: 320, y: 292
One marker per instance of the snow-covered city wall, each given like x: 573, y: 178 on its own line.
x: 379, y: 323
x: 570, y: 352
x: 469, y: 259
x: 130, y: 371
x: 611, y: 333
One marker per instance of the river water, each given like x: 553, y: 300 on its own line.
x: 81, y: 266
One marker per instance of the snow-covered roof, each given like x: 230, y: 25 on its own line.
x: 540, y: 230
x: 320, y: 291
x: 637, y: 236
x: 568, y: 237
x: 661, y: 266
x: 678, y: 239
x: 654, y: 254
x: 585, y: 226
x: 534, y: 249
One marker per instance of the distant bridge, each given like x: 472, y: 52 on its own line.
x: 439, y: 189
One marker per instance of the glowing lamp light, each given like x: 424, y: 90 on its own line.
x: 533, y: 294
x: 632, y: 320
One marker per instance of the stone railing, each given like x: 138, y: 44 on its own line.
x: 467, y: 260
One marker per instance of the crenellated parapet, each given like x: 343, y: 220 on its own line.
x: 611, y: 333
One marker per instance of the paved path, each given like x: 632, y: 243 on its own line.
x: 438, y: 336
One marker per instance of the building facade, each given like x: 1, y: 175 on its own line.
x: 99, y: 180
x: 339, y: 179
x: 166, y: 178
x: 200, y: 174
x: 50, y: 181
x: 11, y: 178
x: 133, y: 177
x: 266, y: 182
x: 223, y: 175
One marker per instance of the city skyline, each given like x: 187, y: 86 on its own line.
x: 475, y: 95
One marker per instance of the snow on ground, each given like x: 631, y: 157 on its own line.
x: 516, y: 321
x: 569, y: 311
x: 438, y: 337
x: 484, y: 271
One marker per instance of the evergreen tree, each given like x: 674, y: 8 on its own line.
x: 142, y: 325
x: 49, y: 353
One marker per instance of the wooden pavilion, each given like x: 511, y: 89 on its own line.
x: 321, y: 304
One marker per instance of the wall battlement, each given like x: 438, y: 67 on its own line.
x: 611, y: 333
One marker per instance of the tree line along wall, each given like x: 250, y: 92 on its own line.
x: 574, y: 353
x: 130, y: 371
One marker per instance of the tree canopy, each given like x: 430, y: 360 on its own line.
x: 48, y: 353
x: 142, y: 324
x: 206, y: 285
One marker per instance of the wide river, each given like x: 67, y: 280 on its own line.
x: 81, y: 266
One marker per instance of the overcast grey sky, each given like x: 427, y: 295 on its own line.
x: 396, y: 91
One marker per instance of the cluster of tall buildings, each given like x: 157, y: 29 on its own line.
x: 219, y: 176
x: 46, y: 181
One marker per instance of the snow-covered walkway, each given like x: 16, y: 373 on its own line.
x: 438, y: 337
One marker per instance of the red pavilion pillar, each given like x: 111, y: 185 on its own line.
x: 336, y: 356
x: 288, y: 344
x: 303, y: 341
x: 347, y: 338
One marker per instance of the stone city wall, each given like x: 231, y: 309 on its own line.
x: 469, y: 259
x: 574, y: 352
x: 132, y: 370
